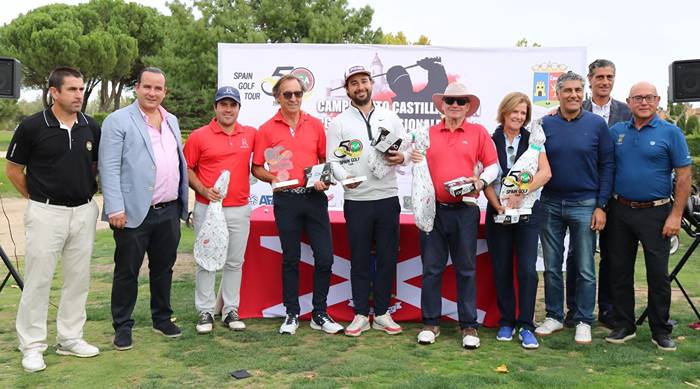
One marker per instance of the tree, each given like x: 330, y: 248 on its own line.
x: 103, y: 39
x: 676, y: 115
x: 524, y: 43
x: 400, y: 39
x: 9, y: 113
x: 189, y: 53
x: 692, y: 125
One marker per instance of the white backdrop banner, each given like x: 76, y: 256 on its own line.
x: 405, y: 78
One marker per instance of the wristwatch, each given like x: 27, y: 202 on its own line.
x: 483, y: 183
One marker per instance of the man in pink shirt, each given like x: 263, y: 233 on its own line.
x: 144, y: 182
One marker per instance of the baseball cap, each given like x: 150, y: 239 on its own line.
x: 356, y: 69
x: 227, y: 92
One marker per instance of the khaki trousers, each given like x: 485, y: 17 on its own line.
x: 54, y: 232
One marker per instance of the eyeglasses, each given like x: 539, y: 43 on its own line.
x: 459, y: 100
x: 649, y: 98
x: 510, y: 150
x: 288, y: 94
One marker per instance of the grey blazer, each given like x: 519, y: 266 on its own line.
x: 619, y: 111
x: 127, y: 165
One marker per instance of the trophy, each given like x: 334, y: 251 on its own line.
x: 279, y: 162
x: 459, y: 186
x: 515, y: 194
x: 353, y: 180
x: 321, y: 172
x: 386, y: 141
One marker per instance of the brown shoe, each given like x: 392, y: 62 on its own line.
x: 470, y: 338
x: 428, y: 334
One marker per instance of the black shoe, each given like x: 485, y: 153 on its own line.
x: 122, y: 339
x: 606, y: 320
x: 663, y: 342
x: 167, y: 329
x: 569, y: 321
x: 620, y: 335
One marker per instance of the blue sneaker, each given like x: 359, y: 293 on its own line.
x: 505, y: 334
x: 528, y: 339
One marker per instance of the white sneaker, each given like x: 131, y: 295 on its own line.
x: 77, y: 348
x: 549, y: 327
x: 387, y: 324
x: 428, y: 335
x: 470, y: 338
x: 205, y: 324
x: 32, y: 361
x: 360, y: 324
x: 583, y: 333
x: 290, y: 325
x: 232, y: 321
x: 325, y: 323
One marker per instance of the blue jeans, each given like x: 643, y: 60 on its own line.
x: 576, y: 216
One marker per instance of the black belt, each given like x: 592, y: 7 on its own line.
x: 64, y: 203
x: 164, y: 204
x: 641, y: 204
x: 298, y: 190
x: 458, y: 205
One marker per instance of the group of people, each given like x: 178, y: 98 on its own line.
x: 590, y: 176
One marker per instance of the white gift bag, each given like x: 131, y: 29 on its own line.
x: 422, y: 190
x: 211, y: 244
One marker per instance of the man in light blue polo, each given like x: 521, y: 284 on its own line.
x: 647, y: 150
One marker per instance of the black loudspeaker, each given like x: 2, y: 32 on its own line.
x: 684, y: 84
x: 10, y: 78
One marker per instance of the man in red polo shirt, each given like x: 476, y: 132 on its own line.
x: 222, y: 144
x: 289, y: 142
x: 457, y: 148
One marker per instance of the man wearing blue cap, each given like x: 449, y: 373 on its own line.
x: 223, y: 144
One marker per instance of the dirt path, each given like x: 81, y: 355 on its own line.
x: 13, y: 209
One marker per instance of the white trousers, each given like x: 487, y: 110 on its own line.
x: 238, y: 223
x: 54, y: 231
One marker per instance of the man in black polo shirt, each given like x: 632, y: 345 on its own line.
x: 52, y: 161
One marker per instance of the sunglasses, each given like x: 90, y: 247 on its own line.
x: 459, y: 100
x: 288, y: 95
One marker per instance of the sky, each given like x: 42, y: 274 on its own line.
x: 641, y: 37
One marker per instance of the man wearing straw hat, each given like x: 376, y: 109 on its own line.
x: 457, y: 148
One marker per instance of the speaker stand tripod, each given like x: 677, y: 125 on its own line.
x: 679, y: 266
x: 11, y: 272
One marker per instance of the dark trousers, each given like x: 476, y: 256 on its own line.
x: 605, y: 300
x: 295, y: 213
x: 158, y: 236
x: 372, y: 222
x: 627, y: 228
x: 454, y: 233
x: 521, y: 239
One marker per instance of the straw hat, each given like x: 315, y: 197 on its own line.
x: 457, y: 89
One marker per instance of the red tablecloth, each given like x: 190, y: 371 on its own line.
x: 261, y: 290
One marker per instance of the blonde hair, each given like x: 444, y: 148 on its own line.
x: 509, y: 103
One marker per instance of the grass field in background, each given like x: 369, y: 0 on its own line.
x: 5, y: 137
x: 6, y: 188
x: 314, y: 360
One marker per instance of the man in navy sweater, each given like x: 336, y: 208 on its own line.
x: 580, y: 152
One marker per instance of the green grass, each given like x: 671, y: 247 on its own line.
x: 313, y: 360
x: 6, y: 188
x: 5, y: 137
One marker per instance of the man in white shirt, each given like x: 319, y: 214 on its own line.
x: 371, y: 207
